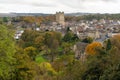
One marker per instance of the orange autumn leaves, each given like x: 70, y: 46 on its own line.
x: 91, y: 48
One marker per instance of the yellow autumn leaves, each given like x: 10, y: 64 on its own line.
x: 47, y: 68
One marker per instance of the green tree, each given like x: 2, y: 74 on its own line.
x: 109, y: 45
x: 28, y: 38
x: 52, y: 41
x: 95, y: 68
x: 66, y: 48
x: 26, y: 68
x: 31, y: 52
x: 40, y: 43
x: 1, y: 20
x: 88, y: 40
x: 5, y: 19
x: 68, y: 36
x: 7, y: 50
x: 75, y: 37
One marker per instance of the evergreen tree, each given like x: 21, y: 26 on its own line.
x: 109, y: 45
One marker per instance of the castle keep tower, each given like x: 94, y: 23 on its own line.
x: 60, y: 18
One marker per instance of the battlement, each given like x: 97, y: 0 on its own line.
x: 59, y: 12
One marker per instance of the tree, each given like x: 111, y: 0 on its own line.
x: 112, y: 70
x: 26, y: 68
x: 7, y: 50
x: 88, y: 40
x: 75, y: 38
x: 1, y: 20
x: 68, y: 36
x: 31, y: 52
x: 5, y: 19
x: 46, y: 68
x: 115, y: 41
x: 66, y: 48
x: 40, y: 43
x: 28, y: 19
x: 63, y: 61
x: 52, y: 41
x: 109, y: 45
x: 91, y: 48
x: 28, y: 38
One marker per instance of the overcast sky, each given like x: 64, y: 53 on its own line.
x: 51, y: 6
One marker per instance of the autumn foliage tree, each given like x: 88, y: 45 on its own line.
x: 40, y: 43
x: 26, y: 68
x: 38, y: 19
x: 28, y: 38
x: 31, y: 52
x: 52, y: 41
x: 32, y: 19
x: 91, y: 48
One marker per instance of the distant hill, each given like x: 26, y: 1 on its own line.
x: 21, y: 14
x: 31, y: 14
x: 7, y: 15
x: 41, y: 14
x: 77, y: 14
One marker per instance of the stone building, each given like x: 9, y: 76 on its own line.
x: 79, y: 49
x: 94, y: 34
x: 60, y: 18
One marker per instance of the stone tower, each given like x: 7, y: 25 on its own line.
x: 60, y: 18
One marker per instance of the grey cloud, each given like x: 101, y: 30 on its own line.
x: 72, y: 3
x: 109, y: 0
x: 34, y: 4
x: 42, y: 5
x: 82, y: 3
x: 11, y: 1
x: 68, y: 5
x: 100, y: 0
